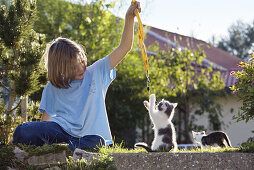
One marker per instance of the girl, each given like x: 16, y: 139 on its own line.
x: 73, y: 101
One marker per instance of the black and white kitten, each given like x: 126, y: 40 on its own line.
x: 164, y: 131
x: 213, y: 139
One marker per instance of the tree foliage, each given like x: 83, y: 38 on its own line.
x: 240, y: 40
x: 91, y: 25
x: 20, y: 51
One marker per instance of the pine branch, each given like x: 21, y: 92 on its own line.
x: 2, y: 84
x: 14, y: 107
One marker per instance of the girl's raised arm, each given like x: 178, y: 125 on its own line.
x: 127, y: 37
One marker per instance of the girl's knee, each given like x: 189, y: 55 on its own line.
x: 87, y: 142
x: 18, y: 133
x: 25, y: 134
x: 94, y: 141
x: 98, y: 139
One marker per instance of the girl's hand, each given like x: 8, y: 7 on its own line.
x: 131, y: 11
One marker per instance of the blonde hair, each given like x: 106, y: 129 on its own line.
x: 60, y: 59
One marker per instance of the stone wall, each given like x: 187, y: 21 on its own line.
x: 150, y: 161
x: 175, y: 161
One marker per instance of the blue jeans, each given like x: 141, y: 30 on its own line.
x: 47, y: 132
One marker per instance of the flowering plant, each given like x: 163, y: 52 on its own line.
x: 244, y: 89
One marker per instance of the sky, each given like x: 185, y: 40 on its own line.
x: 201, y: 19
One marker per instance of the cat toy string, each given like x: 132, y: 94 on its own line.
x: 142, y: 45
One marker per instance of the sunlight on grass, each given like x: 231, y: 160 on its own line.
x: 102, y: 162
x: 211, y: 150
x: 118, y: 148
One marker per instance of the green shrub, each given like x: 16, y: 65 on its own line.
x: 6, y: 155
x: 103, y: 162
x: 247, y: 147
x: 7, y: 128
x: 244, y: 89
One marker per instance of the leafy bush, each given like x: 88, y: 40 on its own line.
x: 7, y: 128
x: 244, y: 89
x: 247, y: 147
x: 6, y: 156
x: 103, y: 162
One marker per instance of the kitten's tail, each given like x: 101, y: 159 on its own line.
x: 143, y: 145
x: 227, y: 140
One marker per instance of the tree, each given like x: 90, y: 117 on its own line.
x: 20, y: 52
x: 91, y: 25
x: 240, y: 40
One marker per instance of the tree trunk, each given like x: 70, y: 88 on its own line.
x: 12, y: 93
x: 24, y: 108
x: 179, y: 130
x: 148, y: 130
x: 12, y: 97
x: 186, y: 121
x: 143, y: 129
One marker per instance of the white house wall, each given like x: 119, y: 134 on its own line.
x: 238, y: 132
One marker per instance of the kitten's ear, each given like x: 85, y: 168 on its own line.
x: 146, y: 104
x: 175, y: 104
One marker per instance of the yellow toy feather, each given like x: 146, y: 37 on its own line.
x: 141, y: 43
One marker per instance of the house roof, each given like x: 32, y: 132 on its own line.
x: 220, y: 59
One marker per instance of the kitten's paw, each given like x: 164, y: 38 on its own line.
x: 146, y: 104
x: 152, y: 97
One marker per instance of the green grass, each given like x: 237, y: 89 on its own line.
x: 117, y: 148
x: 41, y: 150
x: 247, y: 147
x: 7, y: 159
x: 102, y: 162
x: 211, y: 150
x: 6, y: 154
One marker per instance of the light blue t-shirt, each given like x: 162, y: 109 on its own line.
x: 80, y: 110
